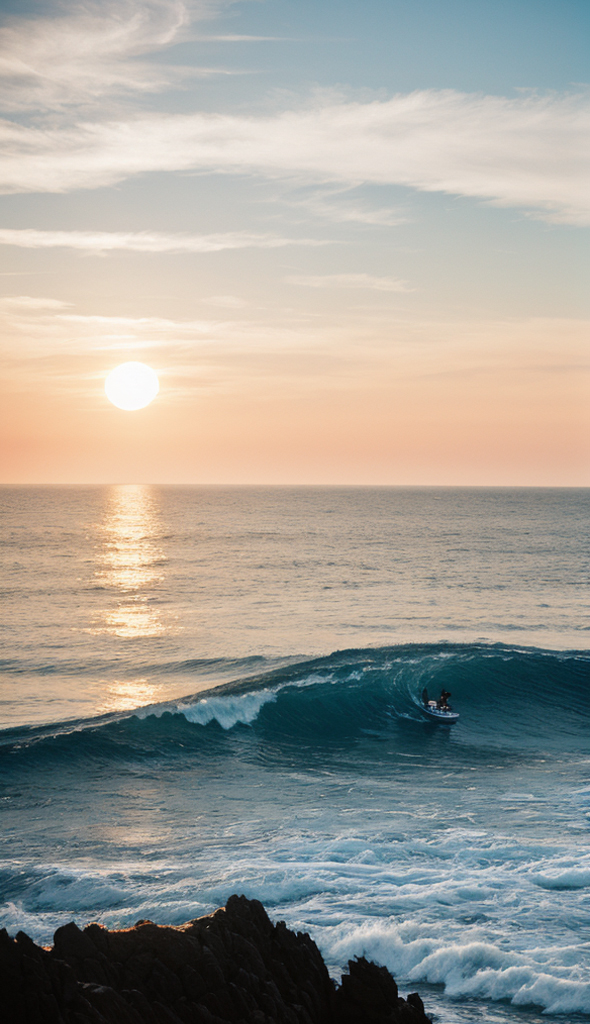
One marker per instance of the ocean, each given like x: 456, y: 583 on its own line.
x: 209, y: 690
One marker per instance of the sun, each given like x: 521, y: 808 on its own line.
x: 132, y: 386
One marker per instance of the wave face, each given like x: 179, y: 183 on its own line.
x: 508, y: 698
x: 459, y: 856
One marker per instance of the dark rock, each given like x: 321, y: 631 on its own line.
x: 99, y: 936
x: 232, y: 967
x: 111, y: 1004
x: 414, y: 1000
x: 71, y: 943
x: 192, y: 982
x: 367, y: 992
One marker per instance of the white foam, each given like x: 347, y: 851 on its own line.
x: 467, y: 970
x: 521, y: 983
x: 478, y: 912
x: 555, y: 995
x: 228, y: 710
x: 574, y: 878
x: 563, y: 873
x: 39, y: 927
x: 345, y: 893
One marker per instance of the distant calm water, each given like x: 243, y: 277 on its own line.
x: 133, y: 787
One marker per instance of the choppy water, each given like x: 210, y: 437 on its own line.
x: 133, y: 786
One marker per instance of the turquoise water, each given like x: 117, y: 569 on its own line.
x: 207, y: 691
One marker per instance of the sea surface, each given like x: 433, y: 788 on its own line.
x: 215, y: 690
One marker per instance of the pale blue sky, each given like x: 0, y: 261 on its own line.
x: 398, y: 45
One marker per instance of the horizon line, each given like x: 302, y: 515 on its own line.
x: 293, y: 486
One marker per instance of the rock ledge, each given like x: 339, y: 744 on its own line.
x: 231, y: 967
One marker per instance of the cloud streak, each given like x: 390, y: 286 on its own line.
x: 362, y: 281
x: 532, y: 151
x: 378, y: 349
x: 95, y: 51
x: 99, y: 242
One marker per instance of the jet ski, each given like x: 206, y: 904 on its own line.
x: 436, y: 714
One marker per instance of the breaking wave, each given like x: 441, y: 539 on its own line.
x: 510, y: 698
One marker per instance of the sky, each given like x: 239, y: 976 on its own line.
x: 350, y: 237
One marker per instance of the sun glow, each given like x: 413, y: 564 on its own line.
x: 132, y: 386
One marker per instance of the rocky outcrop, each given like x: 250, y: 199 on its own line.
x: 232, y: 967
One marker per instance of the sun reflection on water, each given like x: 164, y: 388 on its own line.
x: 128, y: 694
x: 130, y: 563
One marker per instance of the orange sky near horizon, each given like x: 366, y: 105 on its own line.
x: 458, y: 420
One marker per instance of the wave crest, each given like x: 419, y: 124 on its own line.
x: 507, y: 697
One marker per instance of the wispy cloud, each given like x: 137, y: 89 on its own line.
x: 95, y: 50
x: 349, y: 213
x: 531, y: 151
x: 226, y: 301
x: 242, y: 39
x: 353, y: 352
x: 17, y: 304
x: 336, y: 204
x: 99, y: 242
x: 363, y: 281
